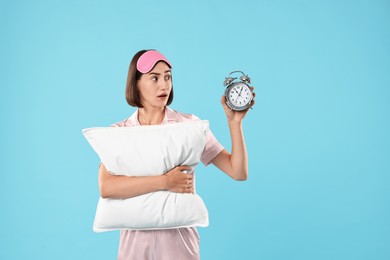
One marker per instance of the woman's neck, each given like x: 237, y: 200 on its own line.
x: 151, y: 116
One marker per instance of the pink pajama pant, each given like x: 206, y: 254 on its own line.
x: 166, y: 244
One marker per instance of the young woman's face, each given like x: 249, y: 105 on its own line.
x: 155, y: 86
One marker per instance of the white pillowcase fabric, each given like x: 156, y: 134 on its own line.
x: 149, y: 151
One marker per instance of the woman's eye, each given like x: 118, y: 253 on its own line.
x: 154, y: 78
x: 167, y: 77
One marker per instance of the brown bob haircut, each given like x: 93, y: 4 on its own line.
x: 133, y: 97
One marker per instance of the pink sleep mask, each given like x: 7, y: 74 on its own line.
x: 147, y: 61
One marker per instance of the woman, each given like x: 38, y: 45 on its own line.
x: 149, y: 87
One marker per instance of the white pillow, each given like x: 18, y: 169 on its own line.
x: 149, y: 151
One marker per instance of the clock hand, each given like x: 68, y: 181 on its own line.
x: 239, y: 94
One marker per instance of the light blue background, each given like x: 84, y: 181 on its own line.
x: 318, y: 137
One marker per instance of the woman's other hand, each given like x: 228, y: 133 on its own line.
x: 178, y: 181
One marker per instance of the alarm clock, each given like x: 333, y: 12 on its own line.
x: 238, y: 93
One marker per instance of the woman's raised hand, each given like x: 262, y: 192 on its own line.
x: 179, y: 181
x: 236, y: 116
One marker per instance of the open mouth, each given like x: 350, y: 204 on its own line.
x: 162, y: 95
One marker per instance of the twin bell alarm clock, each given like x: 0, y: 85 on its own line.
x: 238, y: 93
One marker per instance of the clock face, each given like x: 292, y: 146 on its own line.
x: 239, y: 95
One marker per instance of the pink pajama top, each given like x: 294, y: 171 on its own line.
x: 178, y: 243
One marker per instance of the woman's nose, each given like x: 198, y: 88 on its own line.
x: 163, y: 84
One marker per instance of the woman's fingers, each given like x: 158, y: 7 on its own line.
x: 181, y: 180
x: 253, y: 103
x: 190, y: 183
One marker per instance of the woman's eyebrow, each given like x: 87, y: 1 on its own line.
x: 155, y: 73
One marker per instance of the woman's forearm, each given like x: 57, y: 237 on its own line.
x: 234, y: 164
x: 122, y: 187
x: 239, y: 157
